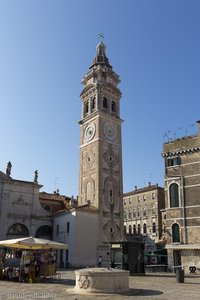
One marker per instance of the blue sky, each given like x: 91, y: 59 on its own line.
x: 45, y: 49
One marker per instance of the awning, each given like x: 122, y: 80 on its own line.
x: 183, y: 247
x: 32, y: 243
x: 161, y: 252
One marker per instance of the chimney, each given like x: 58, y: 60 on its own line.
x: 149, y: 183
x: 135, y: 187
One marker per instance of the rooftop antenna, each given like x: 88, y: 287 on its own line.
x: 186, y: 131
x: 151, y: 177
x: 176, y: 131
x: 166, y: 134
x: 55, y: 184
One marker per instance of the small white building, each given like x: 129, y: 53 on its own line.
x: 77, y: 228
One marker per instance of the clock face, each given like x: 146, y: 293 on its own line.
x: 89, y: 132
x: 109, y: 130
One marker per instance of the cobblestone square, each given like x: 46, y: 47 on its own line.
x: 151, y: 286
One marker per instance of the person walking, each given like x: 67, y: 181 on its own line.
x: 100, y: 261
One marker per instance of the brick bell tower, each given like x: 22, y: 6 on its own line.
x: 100, y: 178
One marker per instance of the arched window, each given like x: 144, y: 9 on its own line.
x: 93, y: 103
x: 19, y: 230
x: 134, y: 229
x: 175, y: 233
x: 45, y: 232
x: 129, y: 229
x: 86, y: 108
x: 154, y: 227
x: 113, y: 106
x: 144, y: 228
x: 144, y: 211
x: 174, y: 195
x: 105, y: 103
x: 139, y: 231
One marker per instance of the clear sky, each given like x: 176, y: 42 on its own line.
x: 45, y: 49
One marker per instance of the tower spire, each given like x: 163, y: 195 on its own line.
x: 101, y: 57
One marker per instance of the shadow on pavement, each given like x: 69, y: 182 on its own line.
x: 142, y: 292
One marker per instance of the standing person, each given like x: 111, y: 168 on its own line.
x: 100, y: 261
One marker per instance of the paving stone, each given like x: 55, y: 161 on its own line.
x: 150, y: 286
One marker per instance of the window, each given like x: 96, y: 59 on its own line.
x: 57, y: 229
x: 47, y: 207
x: 175, y: 233
x: 134, y: 229
x: 153, y: 208
x: 174, y: 195
x: 113, y: 106
x: 44, y: 232
x: 139, y: 231
x: 18, y: 229
x: 111, y: 196
x: 138, y: 198
x: 124, y: 201
x: 129, y: 229
x: 129, y: 200
x: 154, y: 227
x: 153, y: 196
x: 105, y: 103
x: 144, y: 197
x: 86, y: 108
x: 138, y: 212
x: 144, y: 211
x: 93, y: 103
x: 133, y: 213
x: 130, y: 215
x: 144, y: 228
x: 175, y: 161
x: 68, y: 227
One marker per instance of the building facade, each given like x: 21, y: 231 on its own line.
x: 142, y: 214
x: 21, y: 213
x: 181, y: 216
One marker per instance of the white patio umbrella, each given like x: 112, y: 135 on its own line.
x: 32, y: 243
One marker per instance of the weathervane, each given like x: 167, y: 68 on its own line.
x: 101, y: 36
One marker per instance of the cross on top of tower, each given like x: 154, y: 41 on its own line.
x: 101, y: 36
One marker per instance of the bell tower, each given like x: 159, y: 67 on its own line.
x: 100, y: 178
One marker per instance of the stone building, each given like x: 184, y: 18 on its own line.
x: 181, y: 216
x: 142, y: 214
x: 21, y: 213
x: 54, y: 202
x: 100, y: 178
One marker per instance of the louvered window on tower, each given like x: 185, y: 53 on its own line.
x: 105, y: 103
x: 93, y: 103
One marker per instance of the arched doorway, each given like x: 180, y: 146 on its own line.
x: 44, y: 232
